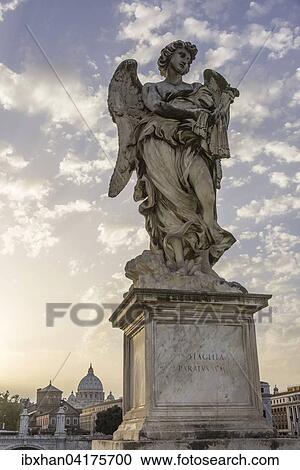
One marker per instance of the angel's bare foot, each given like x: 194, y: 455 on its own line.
x: 182, y: 269
x: 206, y: 266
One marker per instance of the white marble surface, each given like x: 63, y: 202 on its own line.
x: 201, y: 365
x: 137, y: 369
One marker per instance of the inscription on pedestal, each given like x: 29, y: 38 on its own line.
x: 201, y: 365
x: 205, y: 362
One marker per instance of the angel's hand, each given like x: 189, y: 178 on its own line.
x: 232, y: 93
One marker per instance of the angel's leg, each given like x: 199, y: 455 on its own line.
x: 206, y: 266
x: 176, y: 244
x: 201, y: 181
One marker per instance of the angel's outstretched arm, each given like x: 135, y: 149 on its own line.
x: 154, y: 103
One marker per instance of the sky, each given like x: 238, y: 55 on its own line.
x: 63, y: 240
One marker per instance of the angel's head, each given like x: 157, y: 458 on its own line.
x: 179, y: 55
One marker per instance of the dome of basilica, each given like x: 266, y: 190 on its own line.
x: 89, y: 392
x: 90, y: 382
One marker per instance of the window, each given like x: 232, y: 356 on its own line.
x: 68, y: 421
x: 75, y: 421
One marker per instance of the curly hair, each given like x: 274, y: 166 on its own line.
x: 167, y: 52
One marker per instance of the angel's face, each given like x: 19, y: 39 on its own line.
x: 180, y: 61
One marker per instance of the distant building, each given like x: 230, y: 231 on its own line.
x: 110, y: 397
x: 266, y: 399
x: 47, y: 399
x: 43, y: 413
x: 89, y: 392
x: 89, y: 414
x: 286, y: 411
x: 47, y: 420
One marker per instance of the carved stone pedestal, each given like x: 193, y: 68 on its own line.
x: 190, y: 366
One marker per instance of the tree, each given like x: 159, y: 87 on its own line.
x: 108, y: 421
x: 10, y: 409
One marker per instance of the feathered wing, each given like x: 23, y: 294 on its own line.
x: 126, y: 107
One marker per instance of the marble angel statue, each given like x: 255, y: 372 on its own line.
x: 173, y: 134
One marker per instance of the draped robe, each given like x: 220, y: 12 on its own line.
x: 166, y: 149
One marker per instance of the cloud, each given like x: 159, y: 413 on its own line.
x: 77, y: 266
x: 151, y: 27
x: 248, y: 235
x: 266, y: 208
x: 35, y: 236
x: 9, y: 6
x: 218, y: 57
x: 10, y: 160
x: 245, y: 148
x: 248, y: 148
x: 145, y: 52
x: 23, y: 190
x: 295, y: 101
x: 213, y: 7
x: 115, y: 237
x: 199, y: 29
x: 83, y: 172
x: 144, y: 19
x: 235, y: 182
x: 278, y: 240
x: 258, y: 100
x: 36, y: 90
x: 34, y: 227
x: 260, y: 9
x: 259, y: 169
x: 281, y: 179
x: 60, y: 210
x: 282, y: 151
x: 292, y: 125
x: 280, y: 41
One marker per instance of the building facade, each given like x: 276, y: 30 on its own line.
x: 286, y: 411
x: 266, y: 400
x: 47, y: 399
x: 46, y: 422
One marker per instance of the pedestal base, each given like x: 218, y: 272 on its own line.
x: 190, y: 366
x: 202, y: 444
